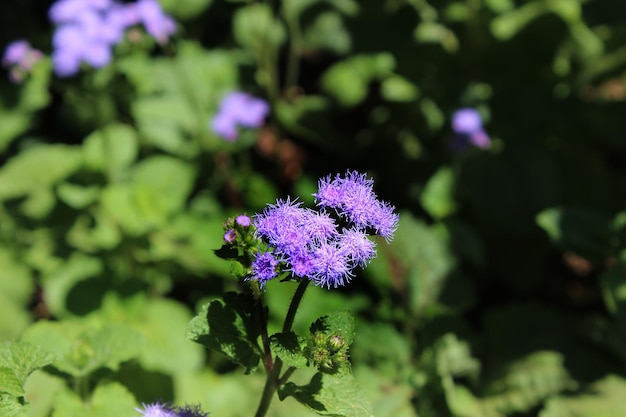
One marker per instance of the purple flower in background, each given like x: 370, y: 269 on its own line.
x: 238, y: 109
x: 19, y: 57
x: 467, y: 124
x: 190, y: 411
x: 87, y: 30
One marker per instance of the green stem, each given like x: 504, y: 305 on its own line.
x: 273, y: 380
x: 295, y: 303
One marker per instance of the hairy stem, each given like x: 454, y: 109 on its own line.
x: 273, y: 380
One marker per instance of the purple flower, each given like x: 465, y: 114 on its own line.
x: 331, y: 266
x: 190, y: 411
x: 357, y: 246
x: 156, y: 410
x: 308, y: 242
x: 467, y: 124
x: 353, y: 197
x: 157, y: 23
x: 264, y: 267
x: 238, y: 109
x: 230, y: 236
x: 19, y: 57
x: 165, y: 410
x: 243, y: 220
x: 87, y: 30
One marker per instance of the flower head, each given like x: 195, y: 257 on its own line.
x: 309, y: 244
x: 20, y: 57
x: 156, y: 410
x: 238, y: 109
x: 243, y: 220
x: 264, y: 267
x: 87, y: 30
x: 467, y: 124
x: 190, y: 411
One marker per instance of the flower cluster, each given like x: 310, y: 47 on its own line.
x: 165, y: 410
x: 468, y: 127
x: 324, y: 245
x: 87, y: 30
x: 238, y: 109
x: 19, y: 57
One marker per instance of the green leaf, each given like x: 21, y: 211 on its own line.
x: 23, y: 358
x: 577, y: 229
x: 10, y: 383
x: 288, y: 347
x: 340, y: 323
x: 82, y: 347
x: 37, y: 168
x: 11, y: 406
x: 603, y: 398
x: 112, y: 399
x: 348, y: 81
x: 256, y: 27
x: 229, y: 326
x: 185, y: 9
x: 400, y: 89
x: 327, y: 32
x: 330, y: 395
x: 438, y: 195
x: 161, y: 186
x: 613, y: 280
x: 111, y: 149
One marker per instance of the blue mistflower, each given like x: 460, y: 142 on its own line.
x: 357, y: 246
x: 238, y: 109
x: 264, y: 267
x: 190, y: 411
x: 308, y: 243
x: 467, y: 124
x: 243, y: 220
x: 156, y: 410
x: 332, y: 266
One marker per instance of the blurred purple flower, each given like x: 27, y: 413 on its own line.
x: 87, y: 30
x: 19, y: 57
x: 190, y: 411
x: 158, y: 24
x: 238, y: 109
x: 467, y: 125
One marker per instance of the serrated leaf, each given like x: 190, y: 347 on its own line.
x: 229, y: 326
x: 10, y: 383
x: 288, y: 347
x: 23, y: 358
x: 11, y: 406
x: 330, y: 395
x: 82, y: 347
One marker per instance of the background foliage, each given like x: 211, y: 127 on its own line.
x: 503, y: 294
